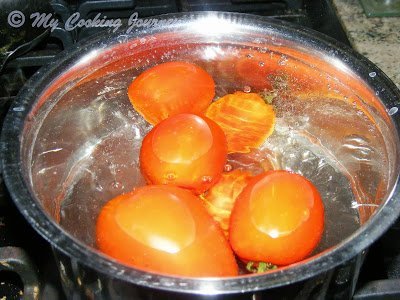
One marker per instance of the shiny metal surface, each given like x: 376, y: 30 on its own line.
x: 74, y: 117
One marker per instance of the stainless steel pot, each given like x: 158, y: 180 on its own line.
x: 68, y: 137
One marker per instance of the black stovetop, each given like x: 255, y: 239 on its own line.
x: 381, y: 271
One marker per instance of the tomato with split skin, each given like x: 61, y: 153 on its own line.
x: 220, y: 199
x: 246, y: 119
x: 185, y: 150
x: 167, y: 230
x: 278, y: 218
x: 171, y: 88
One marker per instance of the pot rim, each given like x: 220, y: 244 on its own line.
x: 12, y: 169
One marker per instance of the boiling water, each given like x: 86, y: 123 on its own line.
x: 89, y: 151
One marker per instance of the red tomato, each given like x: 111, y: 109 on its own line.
x: 184, y: 150
x: 164, y: 229
x: 171, y: 88
x: 278, y: 218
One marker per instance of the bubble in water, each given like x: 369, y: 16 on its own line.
x: 247, y: 89
x: 170, y: 176
x: 372, y: 74
x: 249, y: 55
x: 393, y: 110
x: 261, y: 64
x: 206, y: 178
x: 228, y: 168
x: 117, y: 185
x: 306, y: 154
x: 283, y: 60
x: 263, y: 50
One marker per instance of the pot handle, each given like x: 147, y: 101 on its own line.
x: 16, y: 260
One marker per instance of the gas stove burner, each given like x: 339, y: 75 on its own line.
x: 47, y: 40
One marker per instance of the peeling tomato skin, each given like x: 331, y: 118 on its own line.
x: 220, y: 199
x: 278, y: 218
x: 245, y: 118
x: 185, y: 150
x: 155, y: 242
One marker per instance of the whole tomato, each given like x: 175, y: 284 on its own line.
x: 278, y: 218
x: 184, y: 150
x: 164, y: 229
x: 171, y: 88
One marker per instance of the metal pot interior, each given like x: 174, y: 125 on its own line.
x: 81, y: 137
